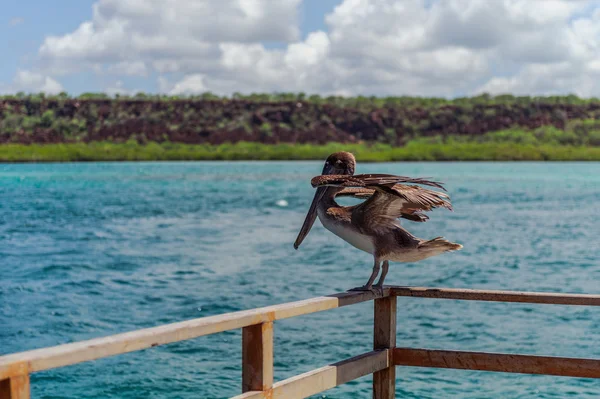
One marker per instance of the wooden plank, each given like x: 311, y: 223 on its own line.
x: 353, y: 297
x: 319, y: 380
x: 328, y: 377
x: 257, y: 357
x: 16, y: 387
x: 5, y: 388
x: 254, y: 395
x: 13, y: 369
x: 384, y: 337
x: 499, y: 362
x: 64, y: 355
x: 58, y: 356
x: 498, y: 296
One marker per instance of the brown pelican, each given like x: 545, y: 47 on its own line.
x: 373, y: 225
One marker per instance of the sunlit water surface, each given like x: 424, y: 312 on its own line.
x: 88, y: 250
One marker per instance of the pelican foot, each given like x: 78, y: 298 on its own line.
x: 378, y: 288
x: 365, y: 288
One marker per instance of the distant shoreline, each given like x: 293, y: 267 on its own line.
x: 245, y: 151
x: 275, y: 127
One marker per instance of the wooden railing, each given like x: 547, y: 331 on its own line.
x: 257, y: 346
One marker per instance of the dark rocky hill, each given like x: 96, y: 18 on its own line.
x: 37, y: 119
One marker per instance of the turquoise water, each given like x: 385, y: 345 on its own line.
x: 88, y: 250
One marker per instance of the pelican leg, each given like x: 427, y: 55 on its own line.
x: 384, y: 271
x: 369, y: 285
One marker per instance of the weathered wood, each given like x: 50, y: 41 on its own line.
x: 64, y: 355
x: 331, y: 376
x: 254, y: 395
x: 324, y: 378
x: 257, y: 357
x: 15, y: 368
x: 5, y: 389
x: 384, y: 337
x: 16, y: 387
x: 499, y: 362
x: 498, y: 296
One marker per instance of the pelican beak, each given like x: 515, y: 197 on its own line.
x: 311, y: 216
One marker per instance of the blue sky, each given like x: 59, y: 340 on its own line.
x: 27, y: 22
x: 347, y: 47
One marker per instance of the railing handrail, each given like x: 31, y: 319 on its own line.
x: 15, y: 368
x: 499, y: 362
x: 547, y: 298
x: 97, y: 348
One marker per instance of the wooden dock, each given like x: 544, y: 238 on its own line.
x: 257, y: 346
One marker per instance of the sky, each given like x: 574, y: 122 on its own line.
x: 443, y: 48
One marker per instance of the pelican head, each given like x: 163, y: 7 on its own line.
x: 338, y: 163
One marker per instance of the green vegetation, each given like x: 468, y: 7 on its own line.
x: 97, y: 127
x: 413, y: 151
x: 576, y: 133
x: 354, y: 102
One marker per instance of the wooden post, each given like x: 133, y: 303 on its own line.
x: 384, y: 337
x: 15, y: 387
x: 257, y: 357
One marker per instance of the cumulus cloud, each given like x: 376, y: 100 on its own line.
x: 168, y: 32
x: 190, y: 84
x: 553, y: 79
x: 32, y: 82
x: 128, y: 68
x: 383, y: 47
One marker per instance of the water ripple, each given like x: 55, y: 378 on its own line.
x: 94, y: 249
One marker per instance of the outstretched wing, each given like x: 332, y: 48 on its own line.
x: 387, y: 198
x: 369, y: 180
x: 413, y: 213
x: 355, y: 192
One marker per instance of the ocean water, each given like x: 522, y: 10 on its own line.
x: 88, y: 250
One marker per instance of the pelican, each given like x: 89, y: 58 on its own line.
x: 373, y: 226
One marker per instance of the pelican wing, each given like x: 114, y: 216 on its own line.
x: 387, y: 198
x: 369, y: 180
x: 355, y: 192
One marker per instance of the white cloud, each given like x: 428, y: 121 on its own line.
x: 32, y: 82
x: 570, y: 64
x: 384, y: 47
x: 309, y: 53
x: 169, y: 31
x: 190, y: 84
x: 556, y: 79
x: 129, y: 68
